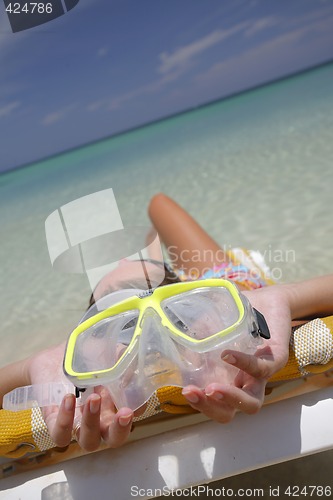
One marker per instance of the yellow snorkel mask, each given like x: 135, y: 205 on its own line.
x: 135, y: 342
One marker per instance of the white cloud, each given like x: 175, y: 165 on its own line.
x: 58, y: 115
x: 102, y: 52
x: 266, y: 55
x: 183, y: 56
x: 148, y: 88
x: 52, y: 118
x: 94, y: 106
x: 262, y: 24
x: 239, y: 64
x: 176, y: 64
x: 309, y: 19
x: 7, y: 109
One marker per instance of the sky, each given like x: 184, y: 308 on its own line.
x: 110, y: 65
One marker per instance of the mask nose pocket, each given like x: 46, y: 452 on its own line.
x: 154, y: 361
x: 159, y: 358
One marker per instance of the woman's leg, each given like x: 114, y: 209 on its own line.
x: 189, y: 247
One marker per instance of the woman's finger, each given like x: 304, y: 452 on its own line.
x: 60, y: 421
x: 89, y: 435
x: 217, y: 410
x: 117, y: 431
x: 261, y: 366
x: 115, y: 426
x: 248, y: 401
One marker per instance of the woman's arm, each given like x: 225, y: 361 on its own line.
x: 12, y: 376
x: 190, y: 248
x: 311, y: 298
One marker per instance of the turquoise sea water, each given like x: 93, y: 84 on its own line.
x: 255, y: 170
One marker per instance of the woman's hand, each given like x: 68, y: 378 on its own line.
x: 221, y: 401
x: 96, y: 420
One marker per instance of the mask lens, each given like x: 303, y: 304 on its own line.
x: 101, y: 346
x: 202, y: 312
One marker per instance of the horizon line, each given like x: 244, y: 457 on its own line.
x: 170, y: 116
